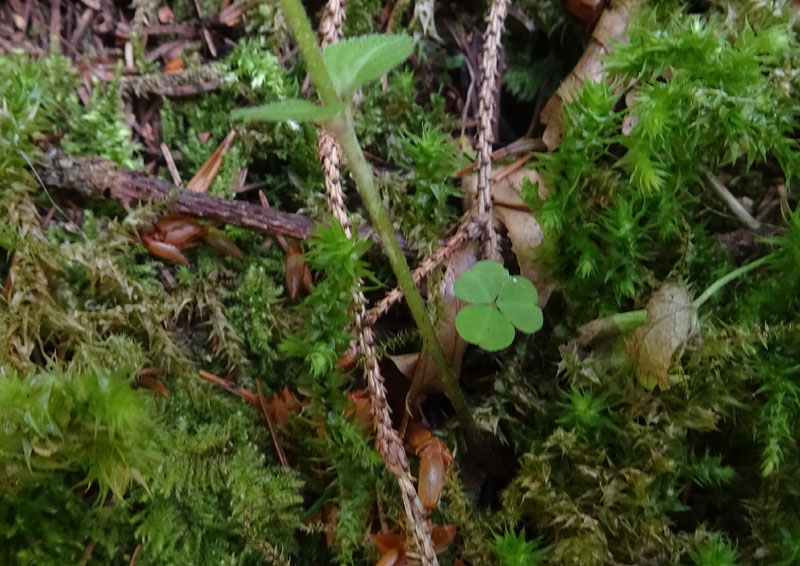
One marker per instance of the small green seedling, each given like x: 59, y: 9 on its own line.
x: 500, y: 303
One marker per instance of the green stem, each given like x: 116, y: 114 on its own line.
x: 298, y: 21
x: 362, y: 173
x: 725, y: 279
x: 627, y: 321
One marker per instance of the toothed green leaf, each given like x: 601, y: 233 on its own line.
x: 294, y: 109
x: 359, y: 60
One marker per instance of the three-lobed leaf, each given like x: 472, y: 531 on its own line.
x: 293, y: 109
x: 354, y: 62
x: 500, y: 304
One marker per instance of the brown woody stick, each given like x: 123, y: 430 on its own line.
x: 96, y: 177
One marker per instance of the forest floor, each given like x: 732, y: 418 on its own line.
x: 212, y: 351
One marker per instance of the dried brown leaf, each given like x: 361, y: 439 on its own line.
x: 671, y: 322
x: 425, y: 378
x: 613, y: 26
x: 208, y: 172
x: 523, y: 229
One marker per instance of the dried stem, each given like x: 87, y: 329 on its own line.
x: 486, y: 112
x: 97, y: 177
x: 388, y: 442
x: 730, y: 201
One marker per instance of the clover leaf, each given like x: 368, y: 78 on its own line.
x: 518, y: 300
x: 481, y: 283
x: 501, y: 302
x: 485, y: 326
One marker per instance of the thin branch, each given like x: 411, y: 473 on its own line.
x: 730, y: 201
x: 96, y: 177
x: 486, y: 111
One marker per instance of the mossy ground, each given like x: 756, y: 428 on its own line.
x: 597, y: 466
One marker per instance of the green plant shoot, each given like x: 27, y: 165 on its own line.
x: 371, y: 57
x: 351, y: 63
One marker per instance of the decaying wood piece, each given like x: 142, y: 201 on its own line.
x: 96, y: 177
x: 186, y: 83
x: 612, y: 26
x: 387, y: 441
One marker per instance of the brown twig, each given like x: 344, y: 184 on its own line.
x: 508, y: 169
x: 231, y: 387
x: 80, y: 29
x: 187, y: 83
x: 96, y: 177
x: 135, y: 555
x: 206, y: 34
x: 521, y: 145
x: 173, y: 170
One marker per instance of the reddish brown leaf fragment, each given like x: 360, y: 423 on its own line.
x: 208, y: 172
x: 165, y: 15
x: 174, y: 66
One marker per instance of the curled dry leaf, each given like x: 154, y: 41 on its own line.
x: 671, y: 322
x: 613, y: 26
x: 523, y: 229
x: 165, y: 15
x: 425, y: 377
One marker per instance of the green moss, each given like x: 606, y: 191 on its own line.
x: 624, y: 195
x: 84, y: 417
x: 100, y: 129
x: 362, y: 17
x: 603, y: 471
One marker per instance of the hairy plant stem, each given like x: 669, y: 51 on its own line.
x: 342, y: 128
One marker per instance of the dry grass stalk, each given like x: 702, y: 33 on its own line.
x: 387, y: 442
x: 486, y: 112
